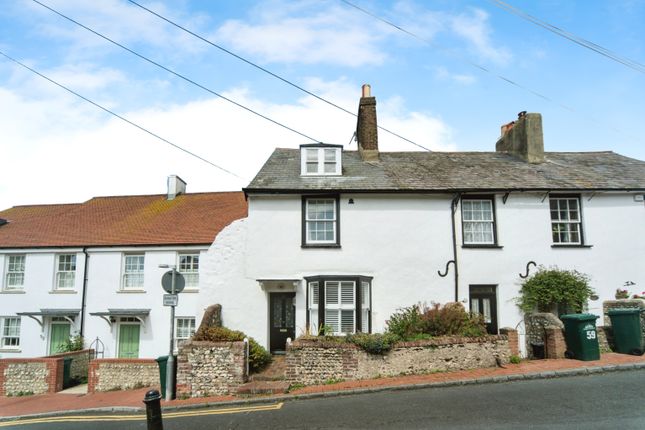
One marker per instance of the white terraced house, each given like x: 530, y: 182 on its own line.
x: 93, y: 269
x: 345, y: 238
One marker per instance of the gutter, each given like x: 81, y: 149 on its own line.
x: 84, y: 295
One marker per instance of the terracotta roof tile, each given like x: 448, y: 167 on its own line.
x: 126, y: 220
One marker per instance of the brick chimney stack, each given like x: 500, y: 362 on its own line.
x: 366, y: 130
x: 523, y: 138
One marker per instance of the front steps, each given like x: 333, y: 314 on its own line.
x: 270, y: 381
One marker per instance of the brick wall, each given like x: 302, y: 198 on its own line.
x: 80, y: 362
x: 536, y: 330
x: 113, y: 374
x: 513, y: 339
x: 315, y: 362
x: 30, y: 376
x: 210, y: 368
x: 555, y: 345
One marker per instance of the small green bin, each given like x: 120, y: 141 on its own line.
x: 626, y: 324
x: 163, y: 364
x: 581, y: 336
x: 67, y: 372
x: 163, y: 368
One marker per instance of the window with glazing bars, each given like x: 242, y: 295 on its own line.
x: 10, y: 332
x: 65, y: 271
x: 133, y: 267
x: 566, y: 220
x: 478, y: 221
x: 15, y: 278
x: 189, y: 268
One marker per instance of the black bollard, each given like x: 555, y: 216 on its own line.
x: 153, y: 410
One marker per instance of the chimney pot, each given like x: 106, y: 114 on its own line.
x: 367, y: 90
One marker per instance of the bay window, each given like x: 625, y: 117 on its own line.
x: 340, y: 305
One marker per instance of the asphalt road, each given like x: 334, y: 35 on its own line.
x: 613, y: 400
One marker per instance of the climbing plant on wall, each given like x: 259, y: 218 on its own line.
x: 550, y: 288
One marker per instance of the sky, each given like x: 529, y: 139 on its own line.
x: 440, y: 74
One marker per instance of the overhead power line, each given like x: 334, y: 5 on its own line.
x: 179, y: 75
x: 484, y: 69
x: 122, y: 118
x: 612, y: 55
x: 267, y: 71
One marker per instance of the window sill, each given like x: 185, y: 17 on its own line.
x: 190, y: 290
x: 320, y: 245
x: 571, y: 246
x: 10, y: 350
x: 13, y: 292
x: 133, y: 291
x: 63, y: 292
x: 482, y: 246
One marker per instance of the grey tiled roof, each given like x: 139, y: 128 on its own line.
x: 455, y: 171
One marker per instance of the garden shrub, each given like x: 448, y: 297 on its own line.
x: 259, y: 357
x: 376, y: 343
x: 406, y: 322
x: 452, y: 320
x: 74, y: 343
x: 419, y: 321
x: 550, y: 288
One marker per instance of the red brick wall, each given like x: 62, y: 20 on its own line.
x: 555, y: 343
x: 513, y: 340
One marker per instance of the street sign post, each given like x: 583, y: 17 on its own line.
x: 166, y: 282
x: 170, y: 299
x: 172, y: 282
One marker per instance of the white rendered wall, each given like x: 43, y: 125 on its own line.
x: 401, y: 241
x: 103, y: 293
x: 38, y: 293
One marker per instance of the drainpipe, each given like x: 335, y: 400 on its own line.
x: 453, y: 211
x: 84, y: 295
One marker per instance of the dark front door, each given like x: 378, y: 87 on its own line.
x: 483, y: 300
x: 282, y: 319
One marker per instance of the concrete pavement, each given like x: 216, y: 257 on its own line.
x: 131, y: 401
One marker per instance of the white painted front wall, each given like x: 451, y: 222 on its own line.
x: 103, y: 292
x: 403, y: 240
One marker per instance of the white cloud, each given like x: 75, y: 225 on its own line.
x: 474, y: 27
x: 116, y: 19
x: 463, y: 79
x: 329, y: 35
x: 50, y: 158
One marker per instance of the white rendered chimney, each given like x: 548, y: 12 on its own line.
x: 176, y: 186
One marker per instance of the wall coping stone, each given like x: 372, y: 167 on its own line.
x: 438, y: 341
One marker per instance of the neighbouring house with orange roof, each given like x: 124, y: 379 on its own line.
x: 93, y: 269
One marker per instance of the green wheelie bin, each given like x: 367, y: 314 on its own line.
x: 581, y: 336
x: 626, y: 324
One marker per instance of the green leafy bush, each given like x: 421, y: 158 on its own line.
x: 452, y: 320
x: 259, y: 357
x: 550, y: 288
x: 376, y: 343
x: 420, y: 322
x: 406, y: 322
x: 74, y: 343
x: 515, y: 359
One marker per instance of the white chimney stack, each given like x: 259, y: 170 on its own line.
x: 176, y: 186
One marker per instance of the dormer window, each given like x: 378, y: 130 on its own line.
x: 320, y: 159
